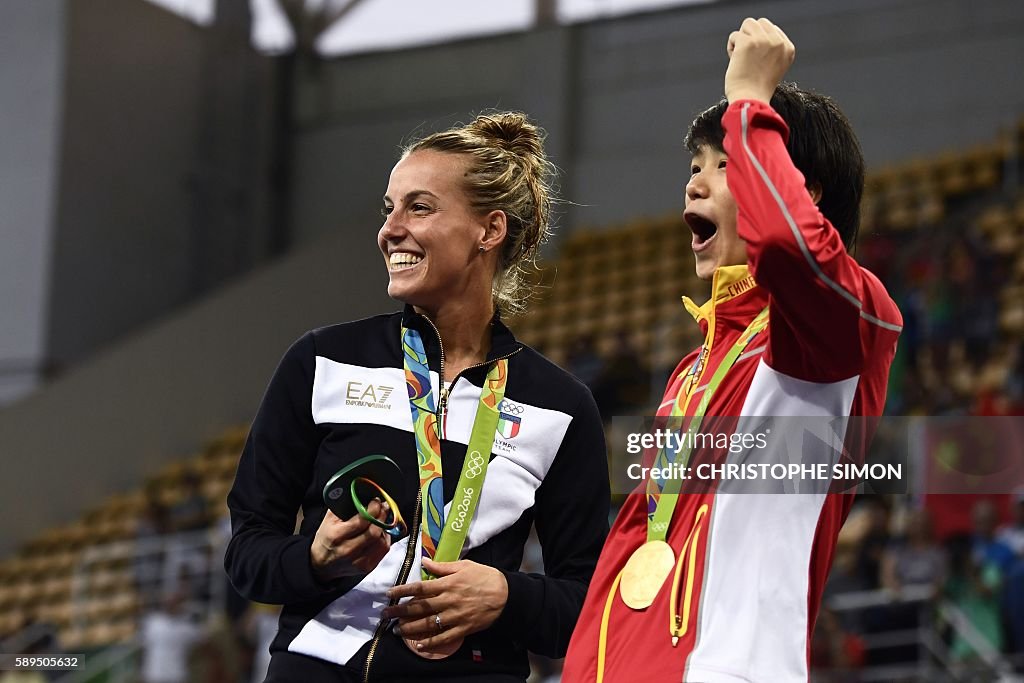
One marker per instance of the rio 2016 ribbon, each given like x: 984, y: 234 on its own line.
x: 440, y: 542
x: 650, y: 564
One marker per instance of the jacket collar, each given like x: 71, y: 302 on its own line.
x: 735, y: 299
x: 503, y: 342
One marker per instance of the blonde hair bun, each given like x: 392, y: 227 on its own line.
x: 513, y: 132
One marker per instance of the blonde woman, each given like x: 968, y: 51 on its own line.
x: 465, y: 210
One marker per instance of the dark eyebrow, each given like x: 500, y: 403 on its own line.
x: 409, y: 196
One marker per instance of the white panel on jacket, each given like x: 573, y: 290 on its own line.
x: 353, y: 394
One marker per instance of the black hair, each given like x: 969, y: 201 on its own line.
x: 821, y: 144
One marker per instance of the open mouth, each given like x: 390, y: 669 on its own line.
x: 403, y: 260
x: 703, y: 230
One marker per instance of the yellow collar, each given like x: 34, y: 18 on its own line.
x: 727, y: 283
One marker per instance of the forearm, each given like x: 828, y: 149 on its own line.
x: 272, y: 568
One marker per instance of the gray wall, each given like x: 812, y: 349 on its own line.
x: 166, y: 181
x: 916, y: 77
x: 357, y: 111
x: 163, y: 169
x: 104, y: 427
x: 31, y: 66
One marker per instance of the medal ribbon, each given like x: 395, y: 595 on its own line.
x: 440, y: 542
x: 661, y: 495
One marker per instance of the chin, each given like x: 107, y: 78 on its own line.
x: 398, y: 293
x: 705, y: 271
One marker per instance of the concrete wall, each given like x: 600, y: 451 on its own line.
x: 916, y: 77
x: 163, y: 170
x: 360, y: 110
x: 32, y: 36
x: 104, y: 427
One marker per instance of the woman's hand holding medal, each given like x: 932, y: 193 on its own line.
x: 351, y: 547
x: 466, y: 597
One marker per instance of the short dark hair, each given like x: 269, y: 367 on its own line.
x: 821, y: 144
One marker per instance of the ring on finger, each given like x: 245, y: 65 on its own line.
x: 437, y: 622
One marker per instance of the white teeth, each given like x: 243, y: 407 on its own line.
x: 404, y: 260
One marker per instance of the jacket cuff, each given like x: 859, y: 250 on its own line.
x: 519, y: 605
x: 297, y: 569
x: 760, y: 114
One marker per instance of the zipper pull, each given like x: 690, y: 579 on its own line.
x: 442, y: 404
x: 687, y: 555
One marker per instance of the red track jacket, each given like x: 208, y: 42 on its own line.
x: 755, y: 565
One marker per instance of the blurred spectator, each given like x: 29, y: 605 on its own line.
x: 167, y: 636
x: 974, y: 314
x: 235, y: 605
x: 973, y: 587
x: 874, y: 542
x: 938, y: 323
x: 1015, y: 385
x: 583, y: 361
x: 190, y: 513
x: 1013, y: 609
x: 916, y: 561
x: 218, y: 656
x: 913, y: 309
x: 986, y: 548
x: 1012, y: 534
x: 261, y: 627
x: 624, y: 384
x: 188, y: 557
x: 877, y: 252
x: 152, y: 526
x: 844, y: 578
x: 991, y: 402
x: 835, y: 652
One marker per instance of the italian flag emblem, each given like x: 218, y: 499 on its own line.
x: 508, y: 425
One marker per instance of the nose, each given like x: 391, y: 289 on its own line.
x: 393, y: 228
x: 696, y: 187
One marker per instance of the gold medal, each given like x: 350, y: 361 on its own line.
x: 645, y: 573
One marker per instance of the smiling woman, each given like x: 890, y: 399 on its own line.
x: 492, y: 176
x: 464, y: 213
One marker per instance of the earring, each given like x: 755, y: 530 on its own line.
x: 483, y: 249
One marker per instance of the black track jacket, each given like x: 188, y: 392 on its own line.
x: 338, y: 395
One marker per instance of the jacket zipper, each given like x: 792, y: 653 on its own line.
x: 679, y: 614
x: 444, y: 394
x: 414, y: 530
x: 410, y: 552
x: 442, y: 403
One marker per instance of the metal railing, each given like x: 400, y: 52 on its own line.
x: 159, y: 564
x: 933, y: 662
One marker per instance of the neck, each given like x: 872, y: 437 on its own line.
x: 465, y: 334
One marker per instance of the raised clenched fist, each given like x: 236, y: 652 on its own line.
x: 759, y: 56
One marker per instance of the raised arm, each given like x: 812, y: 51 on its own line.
x: 822, y: 301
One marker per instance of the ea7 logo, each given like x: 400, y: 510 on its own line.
x: 361, y: 393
